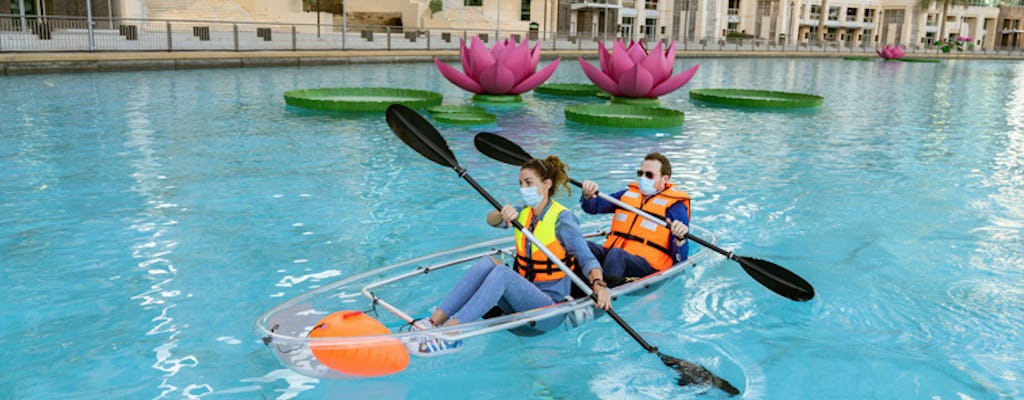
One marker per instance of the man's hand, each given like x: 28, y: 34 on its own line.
x: 589, y: 189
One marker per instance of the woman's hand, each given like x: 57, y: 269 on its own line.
x: 604, y: 297
x: 509, y: 213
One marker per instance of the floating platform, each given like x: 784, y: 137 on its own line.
x: 624, y: 115
x: 756, y: 98
x: 569, y: 89
x: 921, y: 60
x: 464, y: 115
x: 360, y: 98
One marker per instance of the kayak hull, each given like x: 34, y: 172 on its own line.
x: 394, y: 295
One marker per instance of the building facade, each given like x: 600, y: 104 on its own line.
x: 836, y: 23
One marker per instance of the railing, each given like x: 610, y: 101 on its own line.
x: 59, y: 34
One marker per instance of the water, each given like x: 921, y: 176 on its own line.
x: 147, y: 218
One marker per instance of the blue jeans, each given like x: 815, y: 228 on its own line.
x: 488, y: 284
x: 618, y: 263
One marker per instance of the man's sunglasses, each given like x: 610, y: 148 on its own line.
x: 648, y: 174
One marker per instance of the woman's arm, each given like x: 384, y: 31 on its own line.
x: 567, y: 230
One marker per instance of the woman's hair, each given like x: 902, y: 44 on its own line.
x: 550, y: 168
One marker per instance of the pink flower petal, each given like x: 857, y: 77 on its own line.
x: 498, y: 79
x: 458, y: 78
x: 599, y: 78
x: 620, y: 62
x: 536, y: 79
x: 500, y: 47
x: 637, y: 53
x: 604, y: 56
x: 464, y: 55
x: 636, y: 83
x: 517, y: 60
x: 480, y: 59
x: 654, y: 63
x: 670, y: 59
x: 534, y: 55
x: 673, y: 83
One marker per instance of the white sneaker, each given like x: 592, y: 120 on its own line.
x: 426, y: 346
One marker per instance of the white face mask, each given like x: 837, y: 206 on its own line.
x: 530, y: 196
x: 647, y: 186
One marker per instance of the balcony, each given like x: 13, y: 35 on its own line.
x: 592, y: 4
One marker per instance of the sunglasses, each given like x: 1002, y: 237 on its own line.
x: 648, y: 174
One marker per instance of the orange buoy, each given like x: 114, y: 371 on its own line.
x: 372, y: 357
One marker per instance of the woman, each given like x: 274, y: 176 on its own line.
x: 533, y: 281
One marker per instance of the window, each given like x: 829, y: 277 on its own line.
x: 649, y: 28
x: 851, y: 14
x: 524, y: 10
x: 734, y: 7
x: 473, y: 3
x: 651, y: 4
x: 869, y: 15
x: 815, y: 11
x: 833, y: 13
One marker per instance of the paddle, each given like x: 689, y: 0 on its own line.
x: 771, y: 275
x: 417, y: 133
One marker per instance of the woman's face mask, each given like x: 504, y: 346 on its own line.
x: 530, y: 196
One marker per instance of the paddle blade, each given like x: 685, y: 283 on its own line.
x: 500, y: 149
x: 777, y: 279
x: 416, y: 132
x: 693, y: 374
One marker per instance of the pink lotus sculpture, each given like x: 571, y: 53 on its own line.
x: 635, y: 73
x: 964, y: 38
x: 505, y: 69
x: 890, y: 52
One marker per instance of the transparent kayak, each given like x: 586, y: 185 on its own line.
x: 369, y: 314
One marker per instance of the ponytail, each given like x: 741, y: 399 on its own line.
x: 551, y: 168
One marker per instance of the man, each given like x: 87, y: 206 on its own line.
x: 636, y: 246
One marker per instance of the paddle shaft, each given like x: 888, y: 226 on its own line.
x: 661, y: 221
x: 558, y: 262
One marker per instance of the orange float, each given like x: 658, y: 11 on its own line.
x: 370, y: 357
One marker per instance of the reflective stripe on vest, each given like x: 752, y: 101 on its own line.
x: 537, y: 267
x: 640, y: 236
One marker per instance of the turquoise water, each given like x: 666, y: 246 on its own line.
x: 147, y: 219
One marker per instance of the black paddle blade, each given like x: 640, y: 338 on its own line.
x: 778, y: 279
x: 693, y: 374
x: 500, y: 149
x: 417, y: 132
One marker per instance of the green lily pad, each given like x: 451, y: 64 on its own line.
x: 624, y: 115
x: 466, y: 118
x: 756, y: 98
x: 855, y: 58
x: 450, y: 108
x: 569, y: 89
x: 921, y: 60
x: 498, y: 98
x: 360, y: 98
x: 637, y: 101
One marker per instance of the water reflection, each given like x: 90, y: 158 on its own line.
x: 154, y: 253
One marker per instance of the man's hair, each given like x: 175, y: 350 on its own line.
x: 666, y: 168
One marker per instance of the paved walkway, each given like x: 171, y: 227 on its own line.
x: 36, y: 63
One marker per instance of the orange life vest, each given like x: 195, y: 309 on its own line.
x: 640, y: 236
x: 537, y: 267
